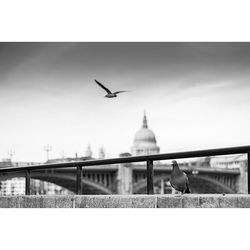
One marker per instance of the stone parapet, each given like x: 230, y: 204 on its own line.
x: 127, y: 201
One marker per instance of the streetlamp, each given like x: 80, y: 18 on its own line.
x: 47, y: 148
x: 195, y: 172
x: 11, y: 153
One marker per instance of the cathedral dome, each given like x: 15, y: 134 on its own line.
x: 144, y: 135
x: 144, y: 140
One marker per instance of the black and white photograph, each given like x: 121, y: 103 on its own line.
x: 124, y: 124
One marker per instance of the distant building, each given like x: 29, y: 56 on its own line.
x: 126, y: 154
x: 14, y: 186
x: 89, y: 152
x: 145, y: 141
x: 101, y: 153
x: 69, y: 159
x: 5, y: 163
x: 230, y: 161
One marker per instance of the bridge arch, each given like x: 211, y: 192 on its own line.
x: 210, y: 185
x: 142, y: 185
x: 64, y: 180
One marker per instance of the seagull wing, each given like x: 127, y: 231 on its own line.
x: 117, y: 92
x: 106, y: 89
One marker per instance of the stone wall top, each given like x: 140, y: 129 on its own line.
x: 127, y: 201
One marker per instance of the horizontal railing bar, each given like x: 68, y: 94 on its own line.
x: 144, y: 158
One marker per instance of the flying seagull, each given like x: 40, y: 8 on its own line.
x: 178, y: 179
x: 109, y: 93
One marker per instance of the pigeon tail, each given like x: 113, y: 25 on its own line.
x: 187, y: 191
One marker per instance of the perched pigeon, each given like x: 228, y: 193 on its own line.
x: 109, y: 93
x: 178, y: 179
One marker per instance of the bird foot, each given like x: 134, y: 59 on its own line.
x: 178, y: 195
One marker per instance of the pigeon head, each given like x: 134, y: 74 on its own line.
x: 175, y: 164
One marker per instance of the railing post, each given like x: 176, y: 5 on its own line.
x: 79, y: 180
x: 248, y: 172
x: 150, y: 177
x: 27, y: 182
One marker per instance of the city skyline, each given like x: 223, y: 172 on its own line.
x: 196, y: 96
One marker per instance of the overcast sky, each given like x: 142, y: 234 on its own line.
x: 196, y: 96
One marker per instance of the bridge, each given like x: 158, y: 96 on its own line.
x: 132, y: 179
x: 127, y: 176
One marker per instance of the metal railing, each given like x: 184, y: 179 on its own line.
x: 149, y: 159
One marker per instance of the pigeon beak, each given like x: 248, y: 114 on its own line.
x: 174, y: 163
